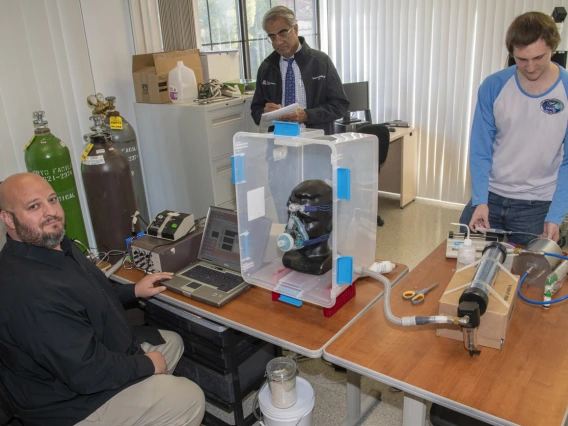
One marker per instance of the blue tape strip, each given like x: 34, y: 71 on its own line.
x: 345, y: 270
x: 344, y: 183
x: 238, y: 168
x: 285, y: 128
x: 244, y: 245
x: 290, y: 300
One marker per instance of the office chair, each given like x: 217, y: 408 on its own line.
x: 382, y: 133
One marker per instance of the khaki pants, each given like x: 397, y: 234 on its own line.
x: 158, y: 400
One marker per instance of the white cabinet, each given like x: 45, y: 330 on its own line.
x: 186, y: 153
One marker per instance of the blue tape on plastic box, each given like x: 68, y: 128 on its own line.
x: 344, y: 183
x: 238, y: 168
x: 290, y: 300
x: 344, y: 270
x: 284, y: 128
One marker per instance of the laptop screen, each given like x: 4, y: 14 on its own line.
x: 220, y: 244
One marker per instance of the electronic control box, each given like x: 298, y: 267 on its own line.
x: 171, y: 225
x: 152, y: 254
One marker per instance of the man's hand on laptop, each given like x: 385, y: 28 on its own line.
x: 159, y: 362
x: 145, y: 287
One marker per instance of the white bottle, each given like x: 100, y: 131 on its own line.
x: 182, y: 85
x: 466, y: 251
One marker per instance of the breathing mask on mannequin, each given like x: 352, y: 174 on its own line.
x: 295, y: 235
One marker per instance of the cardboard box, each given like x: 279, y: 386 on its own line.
x: 150, y: 73
x: 495, y: 322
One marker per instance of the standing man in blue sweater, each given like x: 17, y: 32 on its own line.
x: 518, y: 152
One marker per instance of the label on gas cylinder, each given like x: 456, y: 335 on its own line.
x: 29, y: 142
x: 62, y: 144
x: 94, y: 160
x: 115, y: 123
x: 86, y: 152
x: 100, y: 151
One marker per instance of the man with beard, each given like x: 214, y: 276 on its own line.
x: 67, y: 352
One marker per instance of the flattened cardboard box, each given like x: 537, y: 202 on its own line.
x: 150, y: 73
x: 495, y: 322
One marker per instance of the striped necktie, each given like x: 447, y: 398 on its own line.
x: 290, y: 87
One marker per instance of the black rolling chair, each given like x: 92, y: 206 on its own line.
x: 382, y: 133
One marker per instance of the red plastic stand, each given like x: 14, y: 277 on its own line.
x: 347, y: 294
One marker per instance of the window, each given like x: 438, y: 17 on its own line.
x: 221, y: 27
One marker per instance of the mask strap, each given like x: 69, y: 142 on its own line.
x: 324, y: 237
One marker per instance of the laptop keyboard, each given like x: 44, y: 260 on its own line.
x: 222, y: 280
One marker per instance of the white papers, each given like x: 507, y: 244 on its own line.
x: 267, y: 118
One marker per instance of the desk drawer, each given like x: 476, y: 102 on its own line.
x: 222, y: 124
x: 222, y: 180
x: 211, y: 331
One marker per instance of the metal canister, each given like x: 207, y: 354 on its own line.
x: 47, y: 156
x: 533, y: 261
x: 124, y: 137
x: 110, y: 193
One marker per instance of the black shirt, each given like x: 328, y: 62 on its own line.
x: 66, y: 346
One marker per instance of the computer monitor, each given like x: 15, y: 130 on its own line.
x: 358, y: 95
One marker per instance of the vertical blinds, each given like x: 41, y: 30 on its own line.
x: 425, y: 60
x: 178, y: 24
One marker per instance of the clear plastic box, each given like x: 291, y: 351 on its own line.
x: 265, y: 170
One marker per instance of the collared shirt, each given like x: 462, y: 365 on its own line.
x: 66, y: 346
x: 300, y: 89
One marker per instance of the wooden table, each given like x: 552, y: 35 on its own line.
x: 303, y: 330
x: 526, y: 383
x: 399, y: 174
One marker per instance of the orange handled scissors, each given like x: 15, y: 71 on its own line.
x: 417, y: 297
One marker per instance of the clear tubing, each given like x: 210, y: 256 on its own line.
x: 404, y: 321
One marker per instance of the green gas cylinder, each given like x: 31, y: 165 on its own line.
x: 47, y: 156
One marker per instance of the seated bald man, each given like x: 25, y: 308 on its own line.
x: 67, y: 352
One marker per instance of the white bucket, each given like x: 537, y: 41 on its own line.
x: 299, y: 414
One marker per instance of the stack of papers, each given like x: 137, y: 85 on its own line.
x: 267, y: 118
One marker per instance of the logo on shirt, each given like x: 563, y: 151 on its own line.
x: 319, y: 77
x: 268, y: 83
x: 552, y: 106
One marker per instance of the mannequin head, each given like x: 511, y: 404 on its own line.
x: 309, y: 226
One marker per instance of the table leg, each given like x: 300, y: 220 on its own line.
x: 357, y: 408
x: 414, y: 411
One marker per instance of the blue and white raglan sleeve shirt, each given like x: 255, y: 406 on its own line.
x: 519, y: 145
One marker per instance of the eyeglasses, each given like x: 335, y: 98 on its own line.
x: 282, y: 35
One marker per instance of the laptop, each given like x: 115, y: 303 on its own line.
x: 215, y: 278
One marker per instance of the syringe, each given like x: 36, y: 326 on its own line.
x: 503, y: 232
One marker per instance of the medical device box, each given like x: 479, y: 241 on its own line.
x: 496, y: 319
x: 266, y: 168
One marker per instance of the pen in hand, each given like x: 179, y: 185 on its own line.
x: 270, y: 106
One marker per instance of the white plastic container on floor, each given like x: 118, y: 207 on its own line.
x: 299, y: 414
x: 182, y: 84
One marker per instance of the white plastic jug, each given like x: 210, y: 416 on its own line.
x: 182, y: 85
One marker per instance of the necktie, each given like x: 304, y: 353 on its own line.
x: 290, y: 86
